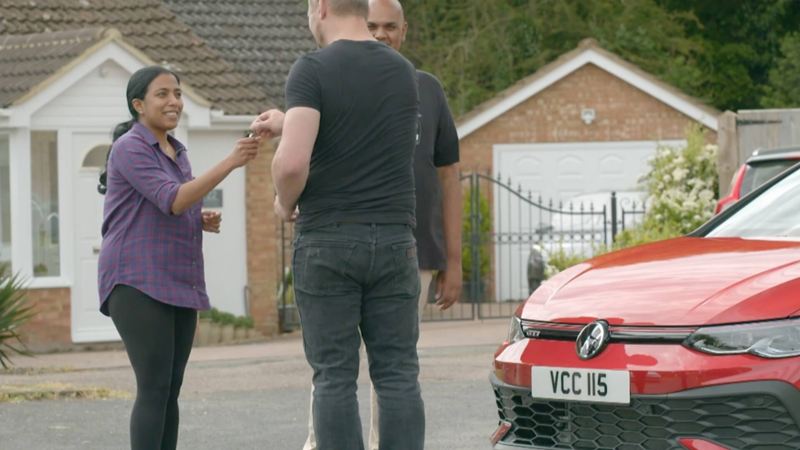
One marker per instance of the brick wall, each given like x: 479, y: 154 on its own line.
x: 262, y: 243
x: 49, y: 328
x: 623, y: 113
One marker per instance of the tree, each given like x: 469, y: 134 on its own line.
x: 784, y: 88
x: 477, y: 48
x: 741, y: 41
x: 721, y: 51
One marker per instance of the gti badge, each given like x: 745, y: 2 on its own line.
x: 592, y: 339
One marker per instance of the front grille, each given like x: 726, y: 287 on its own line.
x: 746, y: 422
x: 534, y: 329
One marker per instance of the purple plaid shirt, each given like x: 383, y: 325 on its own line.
x: 145, y: 246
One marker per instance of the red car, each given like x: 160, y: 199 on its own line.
x: 689, y: 343
x: 759, y: 167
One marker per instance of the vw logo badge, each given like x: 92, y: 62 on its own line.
x: 592, y: 339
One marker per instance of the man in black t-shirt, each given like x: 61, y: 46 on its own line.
x: 438, y: 188
x: 343, y: 170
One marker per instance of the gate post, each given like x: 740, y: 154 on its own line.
x: 613, y: 216
x: 474, y: 238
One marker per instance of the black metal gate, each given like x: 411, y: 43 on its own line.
x: 509, y: 239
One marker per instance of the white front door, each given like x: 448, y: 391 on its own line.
x: 89, y: 153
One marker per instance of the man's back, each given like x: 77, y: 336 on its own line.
x: 361, y: 165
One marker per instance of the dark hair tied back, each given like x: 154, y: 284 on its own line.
x: 137, y: 88
x: 119, y: 130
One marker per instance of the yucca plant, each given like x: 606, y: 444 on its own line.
x: 14, y: 311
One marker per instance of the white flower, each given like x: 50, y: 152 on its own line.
x: 679, y: 173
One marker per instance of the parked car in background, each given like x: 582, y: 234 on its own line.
x: 688, y: 343
x: 759, y: 167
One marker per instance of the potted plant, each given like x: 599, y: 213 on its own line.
x: 215, y: 333
x: 203, y: 334
x: 240, y: 329
x: 13, y: 313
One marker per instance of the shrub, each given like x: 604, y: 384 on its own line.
x: 226, y: 318
x: 286, y: 288
x: 682, y: 186
x: 13, y: 313
x: 484, y: 229
x: 559, y: 259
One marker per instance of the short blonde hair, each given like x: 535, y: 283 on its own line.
x: 347, y: 7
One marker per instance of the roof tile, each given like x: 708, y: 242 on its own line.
x: 145, y: 24
x: 261, y: 38
x: 27, y: 60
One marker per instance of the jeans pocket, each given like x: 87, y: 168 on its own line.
x: 406, y: 267
x: 323, y: 268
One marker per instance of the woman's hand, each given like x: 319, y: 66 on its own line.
x: 211, y: 221
x: 245, y: 150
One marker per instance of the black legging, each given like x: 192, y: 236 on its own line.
x: 158, y: 338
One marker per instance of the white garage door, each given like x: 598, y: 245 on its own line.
x: 563, y: 171
x: 557, y: 172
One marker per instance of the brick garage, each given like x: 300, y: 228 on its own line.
x: 546, y: 108
x: 581, y: 127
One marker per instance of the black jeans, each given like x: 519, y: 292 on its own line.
x: 355, y: 281
x: 158, y: 338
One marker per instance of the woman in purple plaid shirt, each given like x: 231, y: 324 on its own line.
x: 151, y: 278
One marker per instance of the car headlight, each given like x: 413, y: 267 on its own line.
x: 776, y: 339
x: 515, y: 333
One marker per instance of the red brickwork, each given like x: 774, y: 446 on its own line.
x: 49, y: 328
x: 623, y: 113
x: 262, y: 243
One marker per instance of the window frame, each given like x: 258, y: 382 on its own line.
x: 20, y: 178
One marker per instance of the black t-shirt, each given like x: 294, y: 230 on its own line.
x: 438, y: 147
x: 361, y: 165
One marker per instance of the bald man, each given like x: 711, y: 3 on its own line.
x: 438, y: 188
x: 436, y: 172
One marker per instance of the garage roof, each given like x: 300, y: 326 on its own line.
x: 588, y: 52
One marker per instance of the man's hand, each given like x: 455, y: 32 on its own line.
x: 287, y: 215
x: 211, y: 221
x: 448, y: 285
x: 268, y: 124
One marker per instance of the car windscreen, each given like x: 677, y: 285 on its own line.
x: 759, y: 172
x: 775, y: 213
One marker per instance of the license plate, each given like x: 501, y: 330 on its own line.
x: 588, y: 385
